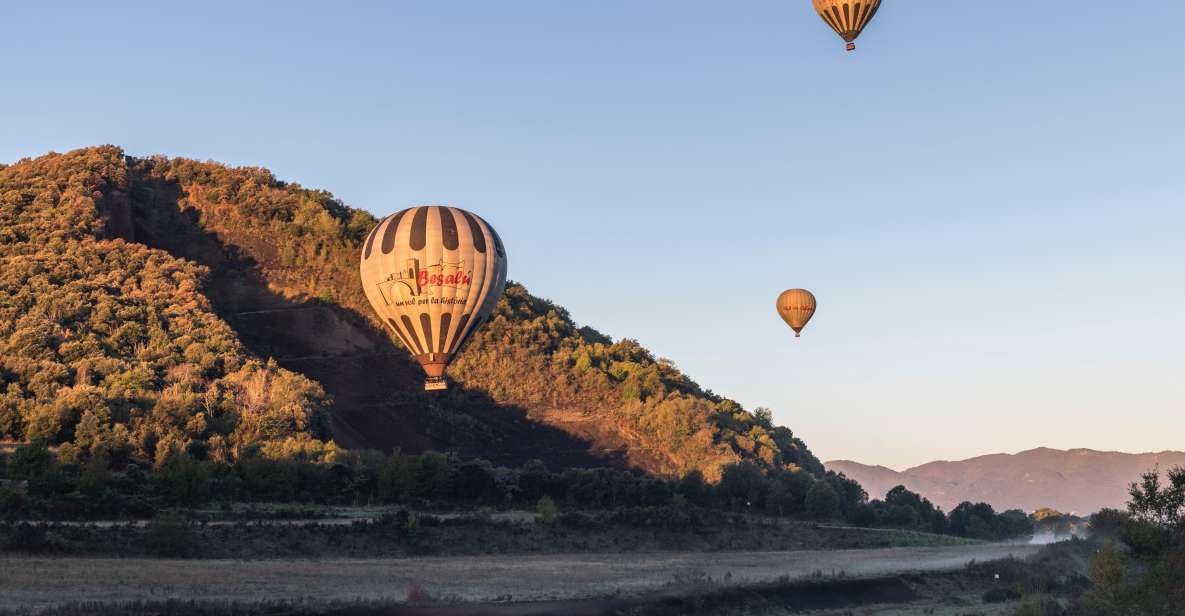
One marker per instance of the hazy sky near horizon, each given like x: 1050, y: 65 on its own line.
x: 988, y: 198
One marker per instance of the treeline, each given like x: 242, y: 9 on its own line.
x: 56, y: 489
x: 904, y: 509
x: 432, y: 480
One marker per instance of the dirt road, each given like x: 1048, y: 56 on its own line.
x: 43, y: 581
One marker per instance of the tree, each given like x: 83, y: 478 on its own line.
x: 1107, y: 570
x: 787, y: 492
x: 975, y: 520
x: 433, y: 475
x: 851, y: 494
x: 474, y: 481
x: 822, y: 503
x: 693, y: 488
x: 742, y: 485
x: 1108, y: 522
x: 32, y: 461
x: 1163, y: 506
x: 397, y: 479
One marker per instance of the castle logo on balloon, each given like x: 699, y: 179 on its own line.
x: 413, y: 281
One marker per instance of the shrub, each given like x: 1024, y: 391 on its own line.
x: 170, y: 536
x: 546, y: 509
x: 1001, y: 594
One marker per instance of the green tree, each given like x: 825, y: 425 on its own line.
x: 433, y: 475
x: 1163, y: 505
x: 742, y: 485
x: 33, y: 461
x: 693, y: 488
x: 822, y: 503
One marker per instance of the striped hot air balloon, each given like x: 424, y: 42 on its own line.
x: 796, y: 307
x: 433, y: 274
x: 846, y: 17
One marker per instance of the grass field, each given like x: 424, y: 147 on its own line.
x: 42, y: 582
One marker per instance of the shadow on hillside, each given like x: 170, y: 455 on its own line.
x: 376, y: 386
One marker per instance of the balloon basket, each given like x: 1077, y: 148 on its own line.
x: 435, y: 383
x: 851, y: 47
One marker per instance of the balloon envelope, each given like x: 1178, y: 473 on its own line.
x: 796, y: 307
x: 848, y: 18
x: 433, y: 274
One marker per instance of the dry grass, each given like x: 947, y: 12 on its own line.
x: 38, y: 582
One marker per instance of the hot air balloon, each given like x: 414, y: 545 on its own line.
x: 796, y: 307
x: 846, y: 17
x: 433, y: 274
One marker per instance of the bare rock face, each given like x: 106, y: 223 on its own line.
x: 1079, y: 481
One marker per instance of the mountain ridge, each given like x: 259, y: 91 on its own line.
x: 1080, y: 480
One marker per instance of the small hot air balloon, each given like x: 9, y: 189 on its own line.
x: 846, y: 17
x: 433, y: 274
x: 796, y: 307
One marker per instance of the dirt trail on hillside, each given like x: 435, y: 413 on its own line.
x: 32, y: 582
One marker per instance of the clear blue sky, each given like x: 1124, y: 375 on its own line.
x: 988, y: 198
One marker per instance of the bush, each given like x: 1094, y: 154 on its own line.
x: 578, y: 521
x: 546, y: 509
x: 28, y: 538
x: 1001, y: 594
x: 1108, y: 523
x: 1146, y: 539
x: 170, y: 536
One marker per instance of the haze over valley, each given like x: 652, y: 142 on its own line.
x: 1080, y: 481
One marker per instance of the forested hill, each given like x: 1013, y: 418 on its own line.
x: 167, y: 305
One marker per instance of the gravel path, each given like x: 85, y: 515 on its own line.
x: 27, y: 582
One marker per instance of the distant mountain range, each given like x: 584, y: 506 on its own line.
x: 1078, y: 480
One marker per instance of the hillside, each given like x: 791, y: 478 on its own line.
x: 155, y: 304
x: 1078, y: 480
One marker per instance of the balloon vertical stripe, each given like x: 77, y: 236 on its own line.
x: 370, y: 240
x: 426, y: 325
x: 419, y: 229
x: 452, y: 344
x: 445, y: 320
x: 448, y: 228
x: 389, y: 235
x: 479, y: 238
x: 415, y: 337
x: 399, y: 332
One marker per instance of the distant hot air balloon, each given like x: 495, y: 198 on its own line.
x: 433, y: 274
x: 846, y: 17
x: 796, y: 307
